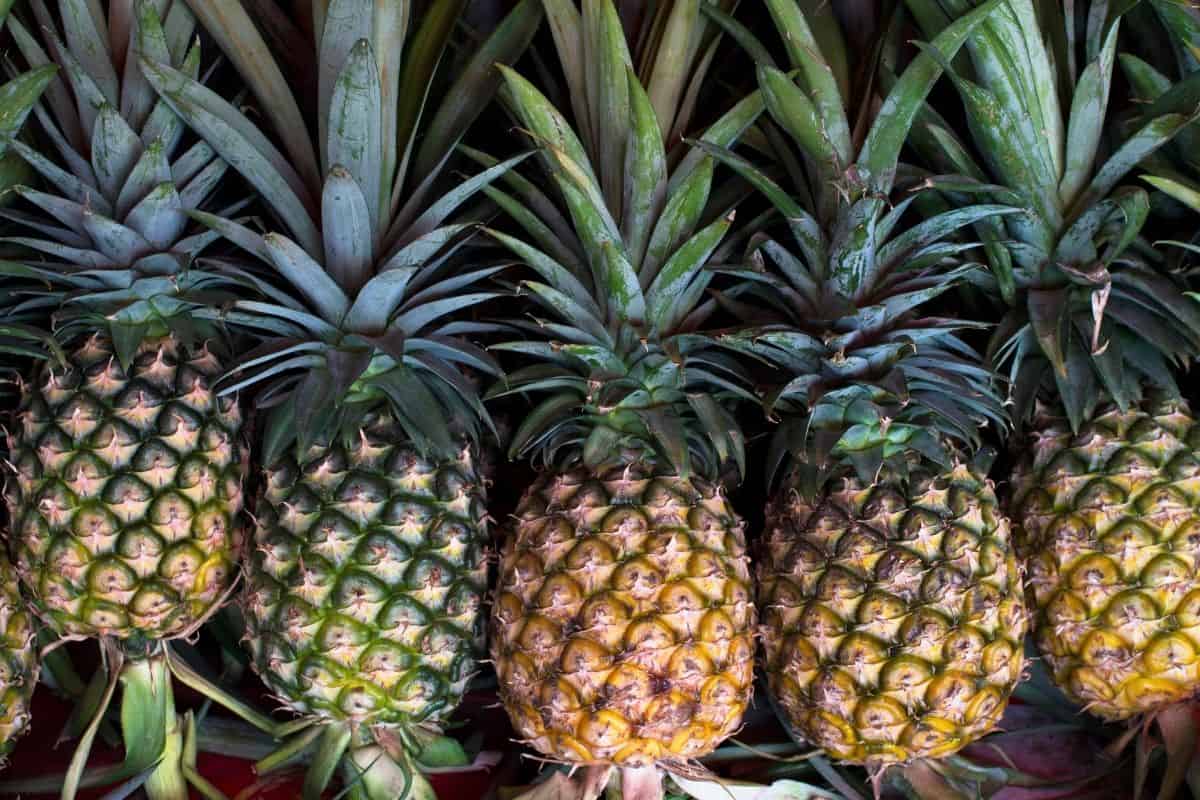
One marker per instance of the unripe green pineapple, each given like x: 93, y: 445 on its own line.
x: 18, y: 660
x: 623, y: 629
x: 127, y: 489
x: 893, y: 615
x: 1110, y: 518
x: 367, y: 580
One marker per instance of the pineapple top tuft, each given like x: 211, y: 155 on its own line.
x: 1093, y: 317
x: 376, y: 288
x: 620, y: 238
x: 109, y: 223
x: 1151, y: 69
x: 862, y: 379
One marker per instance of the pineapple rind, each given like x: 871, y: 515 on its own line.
x: 18, y: 660
x: 892, y: 616
x: 126, y: 495
x: 368, y: 579
x: 1110, y: 522
x: 623, y: 628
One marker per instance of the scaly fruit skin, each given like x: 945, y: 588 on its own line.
x: 1110, y: 522
x: 893, y: 616
x: 368, y: 580
x: 623, y: 628
x: 126, y: 496
x: 18, y: 660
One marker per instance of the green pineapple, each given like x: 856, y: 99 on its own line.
x: 622, y: 630
x: 128, y: 467
x: 891, y: 593
x: 1104, y: 492
x: 369, y: 569
x: 125, y: 494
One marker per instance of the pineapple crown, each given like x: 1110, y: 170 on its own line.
x: 372, y: 311
x: 867, y: 380
x: 1090, y: 317
x: 620, y: 244
x: 111, y: 225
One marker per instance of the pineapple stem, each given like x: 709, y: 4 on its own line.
x: 156, y: 754
x: 641, y: 783
x: 925, y: 781
x: 1178, y: 728
x: 148, y: 719
x: 373, y: 772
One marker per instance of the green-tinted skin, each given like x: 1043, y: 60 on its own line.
x: 367, y: 580
x: 126, y: 496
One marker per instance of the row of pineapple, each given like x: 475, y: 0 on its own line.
x: 372, y: 263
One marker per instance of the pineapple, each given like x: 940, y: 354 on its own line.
x: 127, y: 483
x: 19, y: 341
x: 623, y: 626
x: 1111, y: 512
x: 125, y: 489
x: 1104, y: 493
x: 366, y: 582
x: 18, y: 635
x: 888, y: 581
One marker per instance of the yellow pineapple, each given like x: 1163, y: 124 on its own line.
x: 623, y: 627
x: 888, y: 582
x: 1105, y: 491
x: 623, y: 622
x: 1111, y: 524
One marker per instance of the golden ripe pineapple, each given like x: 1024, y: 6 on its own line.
x: 893, y: 614
x: 1111, y: 520
x: 888, y: 584
x: 623, y: 619
x: 1104, y: 493
x: 623, y: 627
x: 18, y: 660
